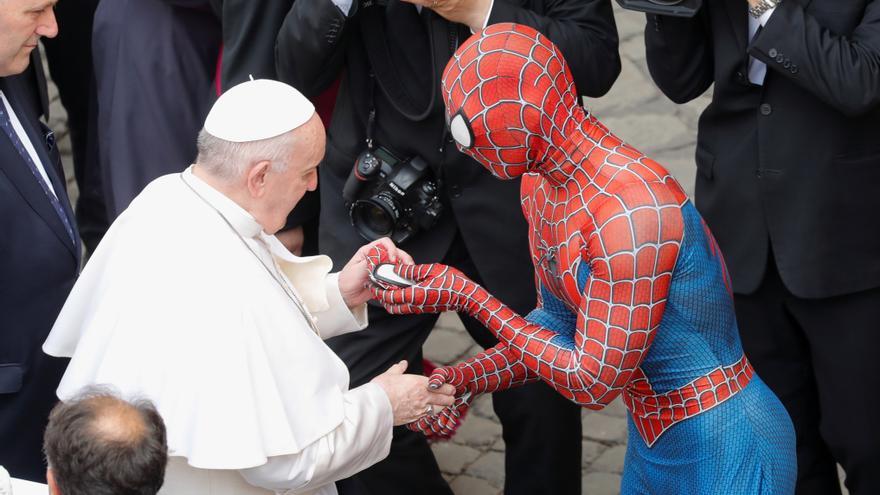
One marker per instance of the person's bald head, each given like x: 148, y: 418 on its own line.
x: 99, y: 444
x: 22, y: 24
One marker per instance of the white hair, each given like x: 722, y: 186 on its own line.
x: 228, y: 160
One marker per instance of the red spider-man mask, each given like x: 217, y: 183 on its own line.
x: 510, y: 98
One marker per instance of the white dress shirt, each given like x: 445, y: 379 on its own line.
x: 26, y: 141
x: 758, y: 69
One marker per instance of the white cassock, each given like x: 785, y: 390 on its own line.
x: 188, y: 303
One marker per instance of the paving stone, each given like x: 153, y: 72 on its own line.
x: 842, y: 475
x: 601, y: 484
x: 489, y: 467
x: 453, y: 457
x: 482, y: 406
x: 499, y: 445
x: 64, y: 146
x: 603, y: 428
x: 690, y: 112
x: 651, y: 132
x: 616, y: 409
x: 477, y: 432
x: 472, y: 351
x: 631, y: 90
x: 591, y: 451
x: 629, y: 24
x: 445, y: 346
x: 450, y: 321
x: 610, y: 461
x: 468, y: 485
x: 634, y: 50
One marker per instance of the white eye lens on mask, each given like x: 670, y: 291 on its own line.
x: 461, y: 130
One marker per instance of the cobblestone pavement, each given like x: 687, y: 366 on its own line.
x: 635, y: 110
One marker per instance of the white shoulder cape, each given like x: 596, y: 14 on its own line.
x: 173, y: 308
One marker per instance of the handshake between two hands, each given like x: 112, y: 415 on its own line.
x: 432, y: 405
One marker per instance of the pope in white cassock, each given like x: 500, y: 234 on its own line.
x: 190, y: 301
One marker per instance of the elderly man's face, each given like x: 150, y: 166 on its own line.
x: 288, y: 188
x: 22, y: 23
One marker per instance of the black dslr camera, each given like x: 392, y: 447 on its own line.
x: 677, y: 8
x: 390, y: 197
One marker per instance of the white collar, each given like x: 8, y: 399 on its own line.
x: 243, y: 222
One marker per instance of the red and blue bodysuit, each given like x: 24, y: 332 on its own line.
x: 634, y: 298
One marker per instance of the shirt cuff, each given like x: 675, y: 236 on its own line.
x: 343, y: 5
x: 373, y: 394
x: 766, y: 16
x: 339, y: 318
x: 488, y: 15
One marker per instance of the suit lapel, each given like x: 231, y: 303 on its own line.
x: 737, y: 12
x: 42, y: 85
x: 20, y: 175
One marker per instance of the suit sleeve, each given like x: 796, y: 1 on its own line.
x: 363, y: 438
x: 311, y: 44
x: 250, y: 28
x: 843, y: 71
x: 679, y: 53
x: 585, y: 32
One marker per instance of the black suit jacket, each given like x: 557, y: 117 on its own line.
x: 795, y: 163
x: 317, y: 41
x: 38, y: 266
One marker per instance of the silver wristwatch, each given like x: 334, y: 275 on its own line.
x: 765, y: 5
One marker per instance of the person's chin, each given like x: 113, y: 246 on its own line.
x: 19, y: 64
x: 23, y: 60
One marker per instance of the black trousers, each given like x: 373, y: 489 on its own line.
x: 819, y: 357
x: 541, y: 429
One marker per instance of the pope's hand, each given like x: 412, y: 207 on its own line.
x: 410, y: 396
x: 354, y: 277
x: 442, y: 424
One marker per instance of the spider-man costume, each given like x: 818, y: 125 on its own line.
x: 634, y: 297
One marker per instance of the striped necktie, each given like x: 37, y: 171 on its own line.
x: 6, y: 125
x: 757, y: 69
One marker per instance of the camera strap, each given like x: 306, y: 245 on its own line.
x: 443, y: 40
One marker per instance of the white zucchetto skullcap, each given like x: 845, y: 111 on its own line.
x: 255, y: 110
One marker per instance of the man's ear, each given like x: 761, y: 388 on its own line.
x: 50, y: 480
x: 257, y: 177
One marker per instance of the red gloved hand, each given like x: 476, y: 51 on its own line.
x: 437, y: 288
x: 443, y: 424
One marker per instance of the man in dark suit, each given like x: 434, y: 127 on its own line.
x: 155, y: 62
x: 405, y: 45
x: 788, y: 169
x: 39, y: 244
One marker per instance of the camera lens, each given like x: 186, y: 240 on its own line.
x: 375, y: 217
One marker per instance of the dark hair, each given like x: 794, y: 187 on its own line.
x: 98, y: 444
